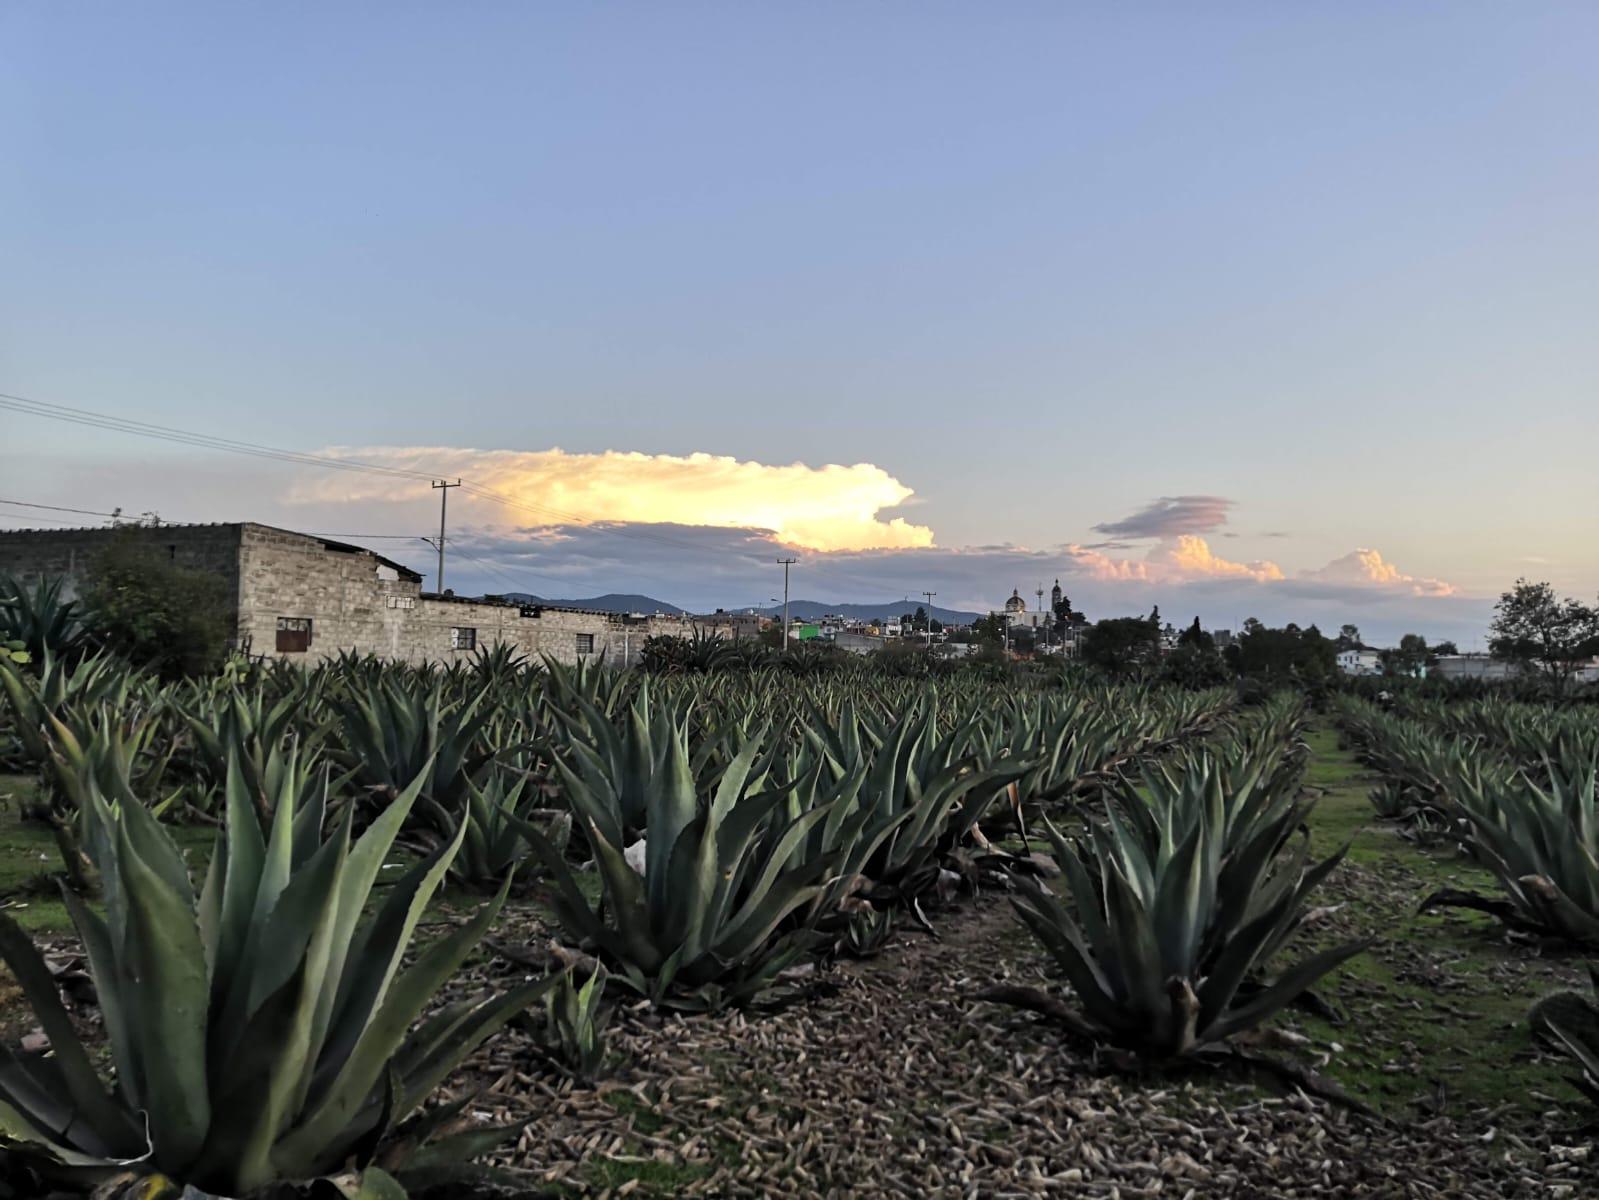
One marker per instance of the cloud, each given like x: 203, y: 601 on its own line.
x: 831, y: 507
x: 1171, y: 516
x: 1174, y: 560
x: 1190, y: 557
x: 1367, y: 568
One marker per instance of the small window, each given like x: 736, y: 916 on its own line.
x: 402, y: 601
x: 585, y: 643
x: 463, y: 639
x: 294, y: 635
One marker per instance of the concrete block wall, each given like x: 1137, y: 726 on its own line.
x: 354, y: 599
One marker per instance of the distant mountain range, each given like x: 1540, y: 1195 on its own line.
x: 810, y: 610
x: 617, y: 602
x: 802, y: 610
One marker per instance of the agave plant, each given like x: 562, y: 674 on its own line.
x: 701, y: 652
x: 42, y: 619
x: 1165, y: 950
x: 395, y: 729
x: 60, y: 688
x: 494, y: 843
x: 575, y: 1019
x: 245, y: 726
x: 697, y: 925
x: 619, y: 764
x: 935, y: 790
x: 263, y: 1031
x: 1571, y: 1021
x: 866, y: 933
x: 101, y: 754
x: 1543, y: 845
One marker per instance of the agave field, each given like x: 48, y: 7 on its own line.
x: 507, y: 928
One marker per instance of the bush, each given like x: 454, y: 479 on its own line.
x: 156, y: 613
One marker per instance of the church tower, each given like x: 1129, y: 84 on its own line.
x: 1054, y: 597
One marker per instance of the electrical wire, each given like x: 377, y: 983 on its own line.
x: 86, y: 417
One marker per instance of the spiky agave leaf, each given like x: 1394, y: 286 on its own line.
x: 263, y: 1030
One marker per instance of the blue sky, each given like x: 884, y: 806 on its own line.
x: 1036, y: 266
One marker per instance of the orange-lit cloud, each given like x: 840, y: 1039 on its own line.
x: 831, y: 507
x: 1191, y: 558
x: 1174, y: 560
x: 1368, y: 567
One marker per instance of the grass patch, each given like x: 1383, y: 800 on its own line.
x: 1435, y: 1011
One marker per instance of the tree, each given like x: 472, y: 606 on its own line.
x: 1445, y: 648
x: 1196, y: 637
x: 990, y: 628
x: 1066, y: 616
x: 1349, y: 637
x: 153, y: 612
x: 1121, y: 645
x: 1408, y: 658
x: 1539, y: 631
x: 1194, y: 667
x: 1283, y: 654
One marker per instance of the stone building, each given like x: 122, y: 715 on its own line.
x: 299, y: 596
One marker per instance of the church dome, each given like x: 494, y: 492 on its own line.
x: 1015, y: 603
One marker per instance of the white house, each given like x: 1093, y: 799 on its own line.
x: 1360, y: 660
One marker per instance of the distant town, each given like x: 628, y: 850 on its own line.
x: 306, y: 597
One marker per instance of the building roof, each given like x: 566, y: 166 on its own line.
x: 331, y: 544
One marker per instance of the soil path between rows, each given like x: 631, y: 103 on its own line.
x: 890, y: 1080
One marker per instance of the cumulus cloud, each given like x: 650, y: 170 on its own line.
x: 1174, y: 560
x: 1171, y: 516
x: 832, y: 507
x: 1190, y: 557
x: 1367, y: 567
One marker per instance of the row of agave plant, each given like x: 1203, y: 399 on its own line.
x: 1537, y: 829
x: 1178, y: 900
x: 488, y: 734
x: 1527, y: 734
x: 277, y: 1024
x: 1517, y: 785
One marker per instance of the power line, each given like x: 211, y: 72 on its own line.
x: 497, y: 569
x: 179, y: 436
x: 47, y: 520
x: 87, y: 512
x: 169, y: 433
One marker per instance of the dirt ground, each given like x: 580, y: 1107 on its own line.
x: 887, y: 1077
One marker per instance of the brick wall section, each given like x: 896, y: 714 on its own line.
x: 355, y: 599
